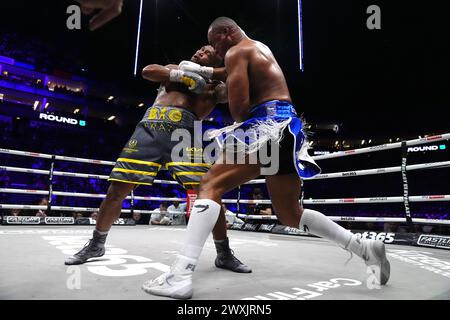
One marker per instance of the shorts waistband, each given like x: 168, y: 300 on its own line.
x: 272, y: 109
x: 170, y: 114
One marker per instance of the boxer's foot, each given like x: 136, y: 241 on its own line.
x: 177, y: 283
x: 93, y: 249
x: 226, y: 259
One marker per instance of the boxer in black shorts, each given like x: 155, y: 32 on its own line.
x: 187, y: 93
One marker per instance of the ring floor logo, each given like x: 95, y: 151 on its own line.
x: 423, y: 260
x: 115, y: 263
x: 313, y: 290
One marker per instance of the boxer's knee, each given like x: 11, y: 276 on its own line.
x: 290, y: 216
x: 117, y: 192
x: 210, y: 189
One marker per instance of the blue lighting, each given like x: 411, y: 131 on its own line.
x: 24, y: 65
x: 6, y: 60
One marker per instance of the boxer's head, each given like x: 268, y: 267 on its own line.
x: 224, y: 33
x: 207, y: 56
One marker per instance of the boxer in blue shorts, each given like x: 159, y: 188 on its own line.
x: 259, y: 101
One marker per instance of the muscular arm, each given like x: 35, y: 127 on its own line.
x: 214, y: 94
x: 238, y: 85
x: 158, y: 73
x: 221, y: 93
x: 220, y: 74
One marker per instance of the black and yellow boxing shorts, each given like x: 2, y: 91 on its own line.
x: 150, y: 148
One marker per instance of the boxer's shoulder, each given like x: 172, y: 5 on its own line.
x: 238, y: 52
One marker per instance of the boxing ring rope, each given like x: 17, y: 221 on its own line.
x: 427, y: 198
x: 355, y: 219
x: 344, y: 174
x: 83, y: 195
x: 338, y: 154
x: 383, y: 147
x: 63, y: 208
x: 403, y: 169
x: 70, y: 174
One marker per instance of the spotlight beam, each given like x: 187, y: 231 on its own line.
x: 300, y: 34
x: 138, y: 38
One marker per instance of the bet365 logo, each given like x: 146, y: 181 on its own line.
x: 386, y: 237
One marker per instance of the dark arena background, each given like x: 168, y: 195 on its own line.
x: 375, y: 100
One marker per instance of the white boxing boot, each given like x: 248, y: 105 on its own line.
x: 373, y: 252
x: 177, y: 283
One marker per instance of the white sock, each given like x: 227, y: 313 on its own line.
x: 203, y: 217
x: 320, y: 225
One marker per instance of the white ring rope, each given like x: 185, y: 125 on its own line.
x: 381, y: 147
x: 356, y: 219
x: 49, y: 156
x: 387, y: 146
x: 70, y: 174
x: 82, y: 209
x: 413, y: 142
x: 428, y: 198
x: 345, y: 174
x: 431, y: 165
x: 83, y: 195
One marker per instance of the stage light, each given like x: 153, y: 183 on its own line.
x: 76, y: 111
x: 110, y: 98
x: 111, y: 118
x: 300, y: 34
x: 138, y: 37
x: 36, y: 104
x: 141, y: 104
x: 46, y: 105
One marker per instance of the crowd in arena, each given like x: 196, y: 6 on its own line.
x: 106, y: 143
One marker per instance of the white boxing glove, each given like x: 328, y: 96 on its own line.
x: 193, y: 81
x: 205, y: 72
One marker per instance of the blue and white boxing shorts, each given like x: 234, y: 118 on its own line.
x: 273, y: 122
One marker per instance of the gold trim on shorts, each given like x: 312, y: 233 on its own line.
x: 149, y: 163
x: 135, y: 171
x: 130, y: 182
